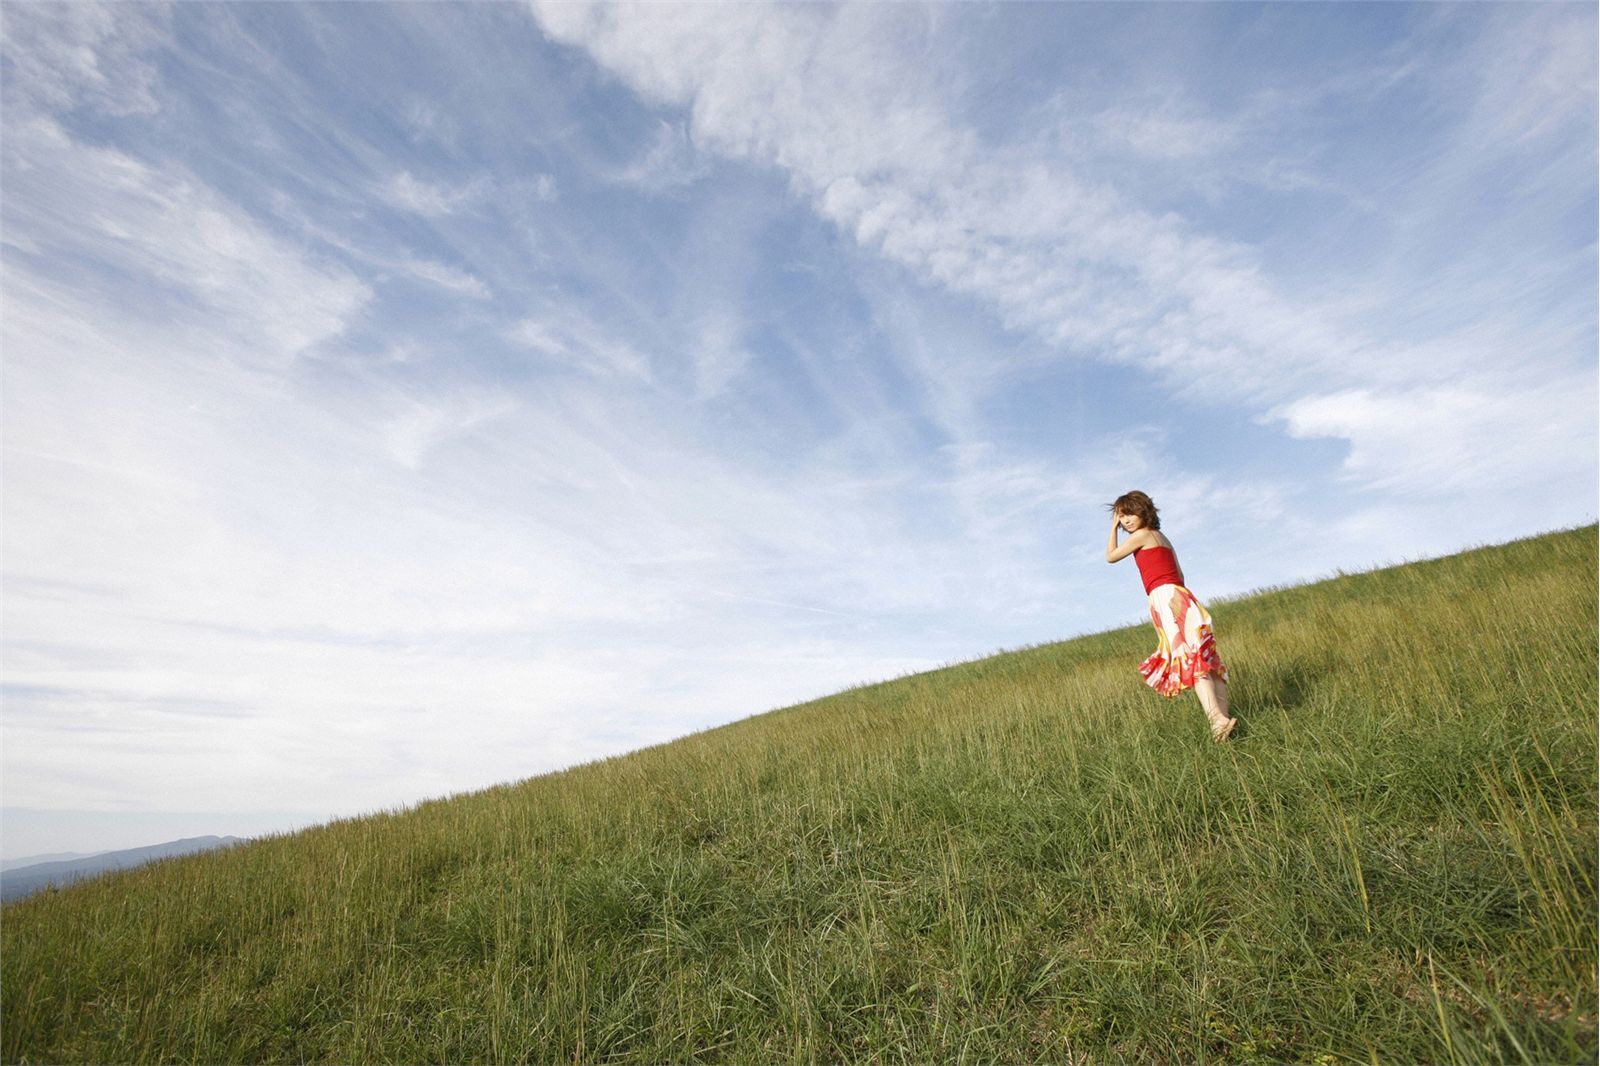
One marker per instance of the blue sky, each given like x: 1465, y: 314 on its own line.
x: 404, y: 399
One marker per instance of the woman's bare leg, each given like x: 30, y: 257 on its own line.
x: 1213, y: 694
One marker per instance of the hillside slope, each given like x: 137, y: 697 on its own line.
x: 1027, y: 857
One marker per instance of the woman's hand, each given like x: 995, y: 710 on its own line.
x: 1117, y: 552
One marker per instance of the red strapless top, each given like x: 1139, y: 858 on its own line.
x: 1158, y: 566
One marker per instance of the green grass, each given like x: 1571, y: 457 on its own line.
x: 1030, y: 857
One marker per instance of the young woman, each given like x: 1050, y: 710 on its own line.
x: 1186, y: 656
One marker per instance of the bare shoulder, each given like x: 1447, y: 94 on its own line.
x: 1159, y: 540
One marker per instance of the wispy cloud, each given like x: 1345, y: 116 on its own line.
x: 588, y: 378
x: 833, y: 99
x: 669, y: 163
x: 122, y: 217
x: 446, y: 277
x: 574, y: 340
x: 431, y: 199
x: 63, y: 56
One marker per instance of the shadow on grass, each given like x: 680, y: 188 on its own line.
x: 1286, y: 687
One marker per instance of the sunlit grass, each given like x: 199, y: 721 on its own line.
x: 1026, y: 858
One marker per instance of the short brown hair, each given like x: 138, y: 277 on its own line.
x: 1138, y: 504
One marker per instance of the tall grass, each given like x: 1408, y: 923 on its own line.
x: 1023, y: 858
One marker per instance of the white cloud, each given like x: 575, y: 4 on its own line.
x: 383, y: 265
x: 572, y: 339
x: 163, y: 225
x: 719, y: 356
x: 64, y: 56
x: 431, y: 199
x: 440, y: 200
x: 221, y: 583
x: 427, y: 121
x: 420, y: 425
x: 1163, y: 130
x: 834, y: 98
x: 370, y: 578
x: 828, y: 97
x: 1455, y: 435
x: 669, y: 163
x: 446, y: 277
x: 1531, y: 76
x: 221, y: 588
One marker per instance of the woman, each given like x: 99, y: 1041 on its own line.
x: 1186, y: 656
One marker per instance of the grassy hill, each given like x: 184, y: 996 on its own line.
x: 1030, y: 857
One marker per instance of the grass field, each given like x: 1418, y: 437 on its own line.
x: 1029, y: 857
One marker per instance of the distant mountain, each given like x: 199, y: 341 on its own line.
x: 23, y: 881
x: 33, y: 860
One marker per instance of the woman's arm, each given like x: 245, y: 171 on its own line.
x: 1115, y: 553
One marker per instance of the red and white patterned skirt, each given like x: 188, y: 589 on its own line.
x: 1187, y: 649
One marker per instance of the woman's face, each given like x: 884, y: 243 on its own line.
x: 1129, y: 522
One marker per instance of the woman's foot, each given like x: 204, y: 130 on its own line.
x: 1222, y: 732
